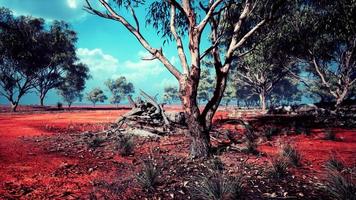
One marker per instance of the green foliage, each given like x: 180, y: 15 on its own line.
x: 96, y: 142
x: 206, y: 86
x: 148, y: 177
x: 217, y: 186
x: 119, y: 88
x: 170, y: 94
x: 74, y: 83
x: 96, y: 95
x: 34, y: 55
x: 126, y: 145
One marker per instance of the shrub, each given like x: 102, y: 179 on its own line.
x: 333, y: 163
x: 96, y: 142
x: 290, y: 153
x: 126, y: 145
x: 329, y: 134
x: 148, y: 177
x: 278, y: 167
x: 270, y: 132
x: 59, y: 105
x: 216, y: 186
x: 301, y: 128
x: 340, y: 186
x: 251, y: 147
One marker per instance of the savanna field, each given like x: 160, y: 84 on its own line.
x: 49, y: 155
x: 178, y: 99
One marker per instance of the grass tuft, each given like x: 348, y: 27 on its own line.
x: 340, y: 186
x: 217, y: 186
x: 148, y: 177
x: 126, y: 145
x: 290, y: 153
x: 279, y: 167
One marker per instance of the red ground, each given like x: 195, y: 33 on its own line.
x: 25, y: 166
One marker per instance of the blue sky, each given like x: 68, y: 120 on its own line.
x: 104, y: 45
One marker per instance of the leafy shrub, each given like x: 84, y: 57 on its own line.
x: 216, y: 186
x: 59, y: 105
x: 301, y: 128
x: 96, y: 142
x: 251, y: 147
x: 329, y: 134
x: 333, y: 163
x: 279, y: 167
x: 126, y: 145
x: 148, y: 177
x: 340, y: 186
x: 270, y: 132
x: 290, y: 153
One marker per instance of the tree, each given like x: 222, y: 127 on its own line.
x: 263, y: 69
x: 119, y: 88
x: 170, y: 94
x: 324, y: 39
x: 72, y: 86
x: 175, y: 19
x: 206, y: 86
x: 19, y: 55
x: 58, y: 53
x: 96, y: 95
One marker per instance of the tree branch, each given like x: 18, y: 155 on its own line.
x: 209, y: 14
x: 155, y: 52
x: 180, y: 48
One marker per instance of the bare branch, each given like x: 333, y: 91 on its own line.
x: 180, y: 48
x: 135, y: 18
x: 207, y: 51
x: 210, y: 12
x: 155, y: 52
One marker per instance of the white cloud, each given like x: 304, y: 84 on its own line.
x: 98, y: 61
x: 150, y: 76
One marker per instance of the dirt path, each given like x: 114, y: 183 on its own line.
x: 25, y: 167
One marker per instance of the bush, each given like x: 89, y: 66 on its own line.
x: 59, y: 105
x: 270, y: 132
x: 216, y: 164
x: 251, y: 147
x: 126, y: 145
x: 216, y: 186
x: 290, y: 153
x: 333, y: 163
x: 148, y: 177
x: 329, y: 134
x: 340, y: 186
x: 278, y: 167
x: 96, y: 142
x: 301, y: 128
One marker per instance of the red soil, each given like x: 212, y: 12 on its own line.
x: 23, y: 164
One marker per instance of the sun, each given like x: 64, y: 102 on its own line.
x: 72, y: 4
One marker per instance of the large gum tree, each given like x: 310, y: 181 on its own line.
x: 231, y: 25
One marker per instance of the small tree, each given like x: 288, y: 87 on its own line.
x: 206, y: 86
x: 96, y: 95
x: 74, y: 83
x: 119, y: 88
x: 170, y: 94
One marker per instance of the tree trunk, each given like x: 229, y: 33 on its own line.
x: 263, y: 101
x: 14, y: 106
x: 198, y: 131
x: 42, y: 100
